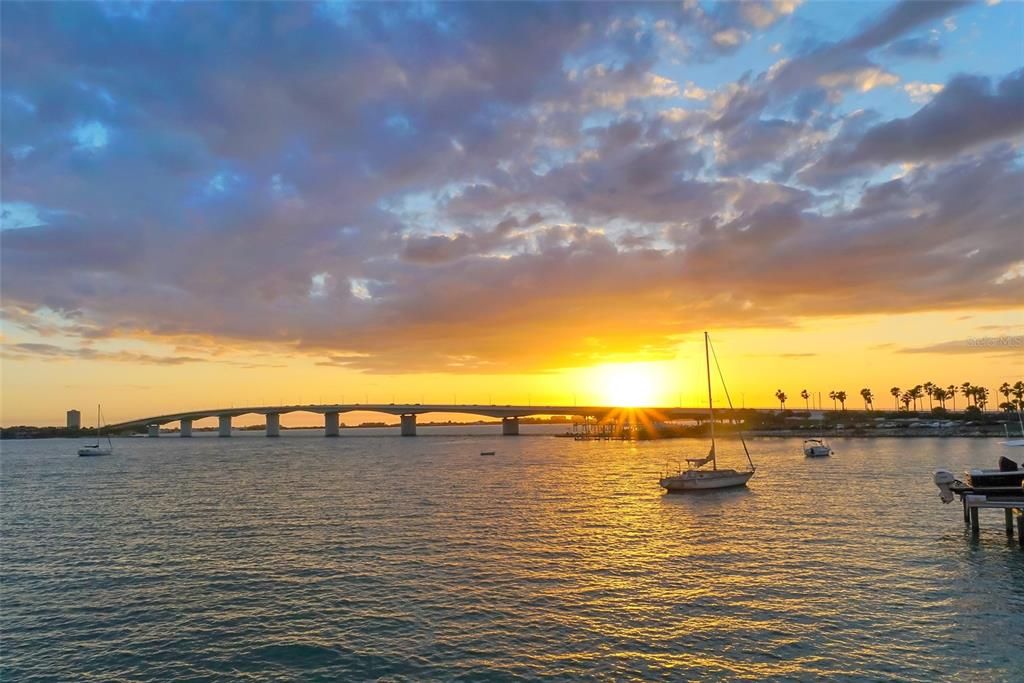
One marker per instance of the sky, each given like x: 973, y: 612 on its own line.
x: 209, y: 204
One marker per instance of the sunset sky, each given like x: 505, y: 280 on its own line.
x: 242, y: 203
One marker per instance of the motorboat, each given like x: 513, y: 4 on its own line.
x: 1009, y: 473
x: 696, y: 477
x: 816, y: 448
x: 96, y: 449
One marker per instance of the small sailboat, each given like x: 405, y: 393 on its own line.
x: 97, y: 448
x: 695, y: 477
x: 1016, y: 443
x: 816, y: 448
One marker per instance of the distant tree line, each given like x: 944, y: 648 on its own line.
x: 906, y: 400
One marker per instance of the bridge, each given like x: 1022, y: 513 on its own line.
x: 407, y: 412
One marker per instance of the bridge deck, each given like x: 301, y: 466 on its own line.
x: 495, y: 411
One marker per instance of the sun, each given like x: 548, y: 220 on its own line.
x: 629, y: 384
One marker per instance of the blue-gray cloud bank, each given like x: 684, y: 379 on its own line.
x: 491, y: 186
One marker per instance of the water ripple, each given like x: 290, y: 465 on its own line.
x: 306, y: 558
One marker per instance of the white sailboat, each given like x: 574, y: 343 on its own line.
x: 97, y: 449
x: 1017, y: 443
x: 695, y: 478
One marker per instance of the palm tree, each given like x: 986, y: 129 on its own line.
x: 804, y: 395
x: 951, y: 393
x: 1008, y: 406
x: 980, y: 397
x: 832, y: 395
x: 781, y: 395
x: 1005, y: 390
x: 941, y: 395
x: 928, y: 388
x: 895, y: 391
x: 916, y: 393
x: 841, y: 395
x: 1018, y: 393
x: 965, y: 389
x: 905, y: 400
x: 868, y: 398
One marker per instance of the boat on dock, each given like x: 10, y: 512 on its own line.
x: 1008, y: 473
x: 816, y: 448
x: 696, y: 477
x: 1001, y: 489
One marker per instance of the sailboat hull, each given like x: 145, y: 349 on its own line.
x: 93, y: 451
x: 701, y: 480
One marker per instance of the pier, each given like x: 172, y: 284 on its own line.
x: 974, y: 499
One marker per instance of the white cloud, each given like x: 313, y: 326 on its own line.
x: 694, y: 92
x: 730, y: 37
x: 920, y: 92
x: 864, y: 79
x: 90, y: 136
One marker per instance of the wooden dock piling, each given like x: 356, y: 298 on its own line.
x: 1012, y: 508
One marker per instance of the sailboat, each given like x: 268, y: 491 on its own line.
x: 97, y: 449
x: 695, y: 477
x: 1014, y: 442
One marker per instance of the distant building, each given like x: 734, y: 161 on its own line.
x: 74, y: 419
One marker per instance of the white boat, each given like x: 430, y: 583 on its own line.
x: 97, y: 448
x: 695, y: 478
x: 816, y: 448
x: 1014, y: 443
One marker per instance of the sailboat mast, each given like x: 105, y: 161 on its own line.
x: 711, y: 407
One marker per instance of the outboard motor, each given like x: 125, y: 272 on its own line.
x: 944, y: 479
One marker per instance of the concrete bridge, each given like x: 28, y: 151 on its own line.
x: 407, y: 413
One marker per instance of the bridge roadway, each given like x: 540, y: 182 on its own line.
x: 407, y: 412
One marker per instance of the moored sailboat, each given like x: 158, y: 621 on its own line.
x: 695, y: 477
x: 97, y: 448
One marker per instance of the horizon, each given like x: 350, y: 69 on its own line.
x: 263, y: 204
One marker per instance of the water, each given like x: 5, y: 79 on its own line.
x: 304, y: 558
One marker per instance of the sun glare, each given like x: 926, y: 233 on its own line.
x: 629, y: 384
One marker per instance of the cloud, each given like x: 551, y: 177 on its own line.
x: 52, y: 352
x: 503, y: 188
x: 914, y: 48
x: 1006, y: 345
x: 840, y: 65
x: 922, y: 93
x: 966, y: 113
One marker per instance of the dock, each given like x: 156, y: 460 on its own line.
x: 1009, y: 499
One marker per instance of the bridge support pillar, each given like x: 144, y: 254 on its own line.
x: 510, y: 426
x: 186, y: 429
x: 154, y: 431
x: 330, y: 424
x: 225, y: 426
x: 408, y: 425
x: 273, y: 424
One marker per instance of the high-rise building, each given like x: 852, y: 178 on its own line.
x: 74, y: 419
